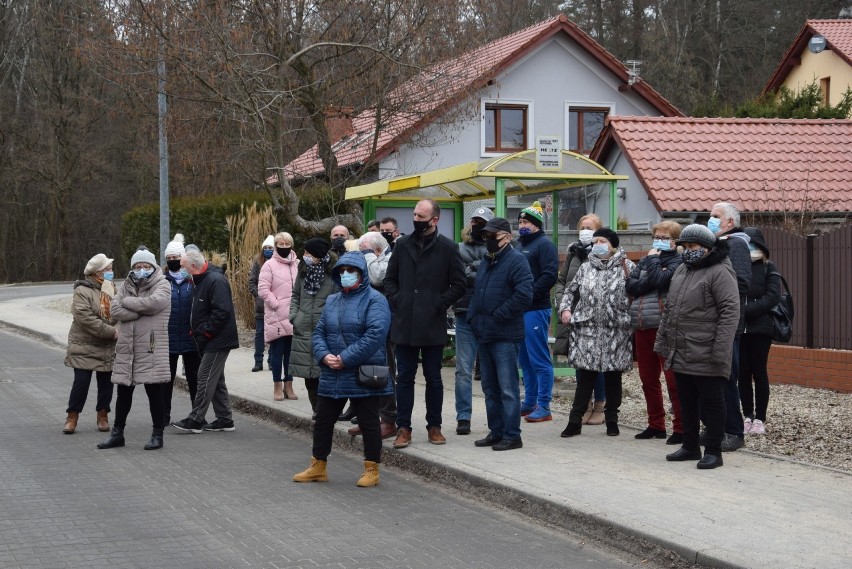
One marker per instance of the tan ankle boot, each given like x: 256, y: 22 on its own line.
x: 370, y: 476
x: 103, y: 421
x: 288, y: 390
x: 597, y: 417
x: 278, y: 391
x: 316, y: 472
x: 588, y: 414
x: 70, y: 423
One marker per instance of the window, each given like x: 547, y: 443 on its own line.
x: 505, y: 128
x: 584, y: 126
x: 825, y: 87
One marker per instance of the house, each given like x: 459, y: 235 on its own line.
x: 678, y: 167
x: 821, y: 52
x: 551, y: 79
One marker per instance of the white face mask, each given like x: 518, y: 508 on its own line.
x: 586, y: 236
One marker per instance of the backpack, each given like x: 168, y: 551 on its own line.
x: 782, y: 314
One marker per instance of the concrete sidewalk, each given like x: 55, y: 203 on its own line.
x: 756, y: 511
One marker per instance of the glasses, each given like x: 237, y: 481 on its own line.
x: 663, y: 237
x: 347, y: 270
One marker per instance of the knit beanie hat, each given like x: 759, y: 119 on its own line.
x: 607, y: 234
x: 317, y: 247
x: 697, y: 233
x: 534, y: 214
x: 97, y: 263
x: 268, y: 242
x: 143, y: 255
x: 175, y: 246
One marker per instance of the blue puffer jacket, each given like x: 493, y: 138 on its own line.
x: 503, y: 291
x: 180, y: 340
x: 354, y: 325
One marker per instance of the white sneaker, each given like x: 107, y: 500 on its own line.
x: 747, y: 426
x: 757, y: 427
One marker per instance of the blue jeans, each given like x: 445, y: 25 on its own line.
x: 258, y: 341
x: 733, y: 415
x: 279, y: 358
x: 498, y: 365
x: 466, y: 346
x: 535, y: 359
x: 600, y: 390
x: 406, y: 364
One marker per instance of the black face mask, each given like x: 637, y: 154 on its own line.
x: 476, y: 231
x: 388, y: 235
x: 284, y: 252
x: 492, y: 244
x: 420, y: 227
x: 337, y: 244
x: 173, y: 265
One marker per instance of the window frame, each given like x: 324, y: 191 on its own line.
x: 580, y: 107
x: 515, y: 104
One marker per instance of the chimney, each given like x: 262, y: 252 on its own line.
x: 338, y: 122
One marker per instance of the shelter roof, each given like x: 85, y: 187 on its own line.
x: 770, y: 165
x: 461, y: 76
x: 838, y: 37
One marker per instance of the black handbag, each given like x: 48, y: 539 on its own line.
x: 782, y: 314
x: 373, y: 376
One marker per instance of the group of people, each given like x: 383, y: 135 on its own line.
x: 355, y: 317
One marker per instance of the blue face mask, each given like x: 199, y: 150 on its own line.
x: 600, y: 249
x: 142, y: 273
x: 108, y: 275
x: 267, y: 253
x: 662, y: 245
x: 713, y: 224
x: 524, y: 231
x: 348, y: 280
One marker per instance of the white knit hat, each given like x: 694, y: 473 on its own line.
x: 143, y: 255
x: 268, y: 242
x: 96, y: 264
x: 175, y: 246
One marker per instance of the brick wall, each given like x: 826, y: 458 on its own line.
x: 826, y: 369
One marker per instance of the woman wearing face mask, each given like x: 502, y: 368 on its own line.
x: 597, y: 308
x: 696, y: 337
x: 181, y: 344
x: 91, y: 341
x: 351, y: 331
x: 764, y: 292
x: 648, y: 284
x: 275, y: 287
x: 141, y: 307
x: 266, y: 251
x: 313, y: 286
x: 578, y: 253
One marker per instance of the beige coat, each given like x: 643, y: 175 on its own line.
x: 142, y: 311
x: 91, y: 339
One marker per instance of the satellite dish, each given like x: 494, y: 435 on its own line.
x: 816, y: 44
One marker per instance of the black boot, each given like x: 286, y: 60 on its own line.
x: 156, y: 440
x: 347, y: 415
x: 115, y: 438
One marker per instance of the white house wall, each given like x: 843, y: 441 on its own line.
x: 635, y: 206
x: 555, y: 75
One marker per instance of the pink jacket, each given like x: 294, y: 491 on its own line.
x: 275, y: 287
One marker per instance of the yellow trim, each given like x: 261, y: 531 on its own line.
x: 408, y: 183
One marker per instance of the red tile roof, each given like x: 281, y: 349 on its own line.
x: 467, y: 73
x: 689, y: 164
x: 838, y: 36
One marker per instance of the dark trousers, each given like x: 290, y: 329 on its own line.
x: 754, y: 357
x: 279, y: 358
x: 388, y: 412
x: 650, y: 366
x: 124, y: 400
x: 80, y: 390
x: 191, y: 361
x: 259, y: 343
x: 406, y: 361
x: 702, y: 396
x: 734, y: 417
x: 212, y: 388
x: 585, y: 387
x: 367, y: 409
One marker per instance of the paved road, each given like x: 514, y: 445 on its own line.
x: 224, y: 499
x: 10, y: 292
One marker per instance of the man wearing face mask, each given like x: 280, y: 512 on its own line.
x: 502, y: 292
x: 389, y: 230
x: 472, y: 250
x: 535, y: 358
x: 339, y: 235
x: 724, y: 222
x: 424, y: 278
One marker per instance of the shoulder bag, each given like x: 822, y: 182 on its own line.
x: 782, y: 314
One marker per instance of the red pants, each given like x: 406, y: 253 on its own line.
x: 650, y: 366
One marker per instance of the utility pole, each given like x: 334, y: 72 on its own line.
x: 164, y: 149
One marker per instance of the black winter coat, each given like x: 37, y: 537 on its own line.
x: 541, y: 254
x: 180, y: 332
x: 472, y: 252
x: 421, y: 283
x: 648, y: 284
x: 740, y: 258
x: 214, y: 326
x: 764, y: 292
